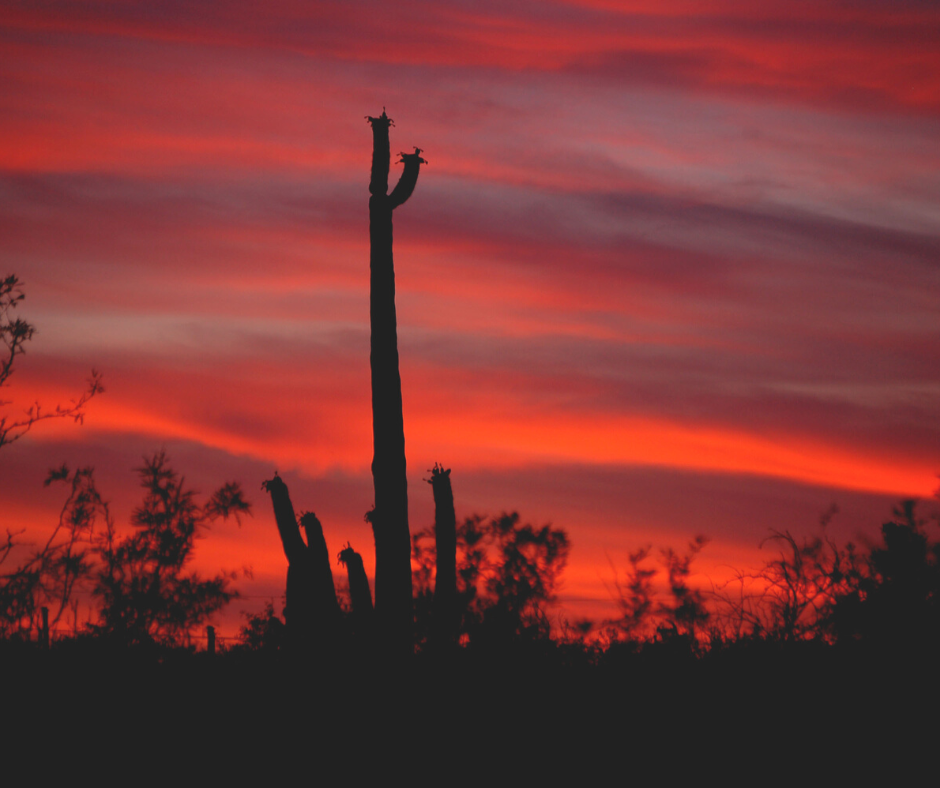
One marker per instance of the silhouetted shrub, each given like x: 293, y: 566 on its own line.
x: 264, y: 631
x: 142, y: 584
x: 51, y: 575
x: 507, y: 575
x: 892, y: 598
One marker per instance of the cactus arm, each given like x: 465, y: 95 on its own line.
x: 298, y: 612
x: 359, y: 593
x: 294, y: 547
x: 322, y: 575
x: 406, y: 184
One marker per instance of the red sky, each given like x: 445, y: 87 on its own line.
x: 673, y: 268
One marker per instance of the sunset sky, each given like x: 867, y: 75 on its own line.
x: 673, y: 267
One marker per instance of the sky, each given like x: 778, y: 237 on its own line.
x: 673, y: 268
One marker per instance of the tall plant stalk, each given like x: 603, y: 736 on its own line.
x: 389, y: 518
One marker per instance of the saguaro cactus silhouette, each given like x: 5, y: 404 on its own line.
x: 393, y: 602
x: 359, y: 594
x: 312, y: 611
x: 445, y: 614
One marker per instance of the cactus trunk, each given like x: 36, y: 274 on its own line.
x: 445, y: 615
x: 325, y: 607
x: 393, y: 591
x: 359, y: 594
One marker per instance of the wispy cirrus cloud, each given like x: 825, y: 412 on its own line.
x: 859, y: 55
x: 662, y: 254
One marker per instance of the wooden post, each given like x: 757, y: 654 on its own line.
x: 210, y: 637
x: 44, y: 634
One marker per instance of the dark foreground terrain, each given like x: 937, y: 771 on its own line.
x: 660, y: 709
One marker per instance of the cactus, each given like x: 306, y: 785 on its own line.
x: 393, y: 590
x: 325, y: 606
x: 311, y: 596
x: 445, y: 613
x: 359, y: 595
x: 311, y: 611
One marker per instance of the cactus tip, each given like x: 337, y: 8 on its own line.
x: 416, y: 156
x: 309, y: 520
x: 383, y: 118
x: 345, y: 554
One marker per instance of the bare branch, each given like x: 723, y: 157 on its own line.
x: 14, y: 334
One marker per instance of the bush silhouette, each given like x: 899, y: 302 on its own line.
x: 49, y: 579
x: 891, y: 599
x: 145, y: 591
x: 507, y: 575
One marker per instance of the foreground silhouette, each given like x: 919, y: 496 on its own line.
x: 389, y: 518
x: 311, y: 599
x: 312, y: 611
x: 14, y: 334
x: 515, y: 689
x: 144, y: 591
x: 446, y: 611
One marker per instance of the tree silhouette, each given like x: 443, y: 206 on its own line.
x: 528, y: 566
x: 389, y: 518
x: 789, y: 598
x: 892, y: 600
x: 50, y: 577
x: 682, y: 615
x: 507, y: 575
x: 145, y: 592
x: 635, y: 598
x: 15, y: 333
x: 686, y: 613
x: 264, y: 631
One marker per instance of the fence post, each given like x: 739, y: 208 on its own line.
x: 210, y: 636
x: 44, y: 634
